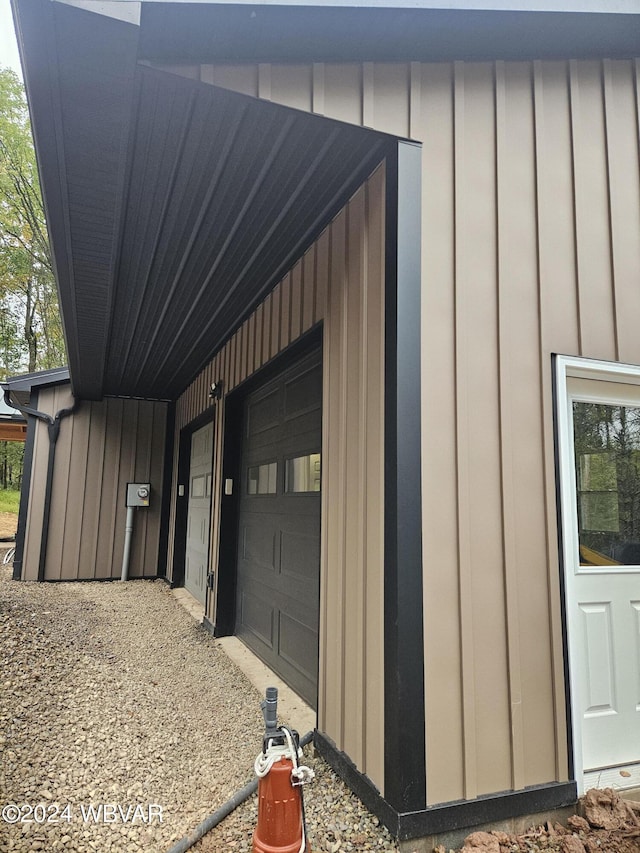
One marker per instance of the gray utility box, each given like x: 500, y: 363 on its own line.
x: 138, y: 494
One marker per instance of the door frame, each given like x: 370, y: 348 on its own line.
x: 182, y: 502
x: 566, y: 368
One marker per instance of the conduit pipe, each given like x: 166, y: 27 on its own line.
x: 218, y: 816
x: 128, y: 532
x: 53, y: 431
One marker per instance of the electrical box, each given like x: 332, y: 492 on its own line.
x: 138, y: 494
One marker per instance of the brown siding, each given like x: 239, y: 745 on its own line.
x: 531, y: 245
x: 101, y: 447
x: 340, y: 281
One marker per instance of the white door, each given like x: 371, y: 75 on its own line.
x: 602, y: 529
x: 199, y: 513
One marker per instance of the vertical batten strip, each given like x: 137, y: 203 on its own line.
x: 309, y: 287
x: 612, y: 195
x: 342, y: 289
x: 258, y: 341
x: 545, y: 202
x: 98, y: 418
x: 415, y: 100
x: 366, y: 364
x: 467, y: 675
x: 275, y: 322
x: 285, y: 325
x: 81, y: 477
x: 574, y: 105
x: 591, y: 205
x: 296, y: 300
x: 623, y: 156
x: 266, y: 329
x: 352, y: 476
x: 505, y: 317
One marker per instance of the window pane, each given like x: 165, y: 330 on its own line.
x: 303, y: 473
x: 262, y: 479
x: 607, y: 446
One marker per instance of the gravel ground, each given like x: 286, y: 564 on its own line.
x: 110, y: 693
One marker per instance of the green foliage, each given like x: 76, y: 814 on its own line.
x: 11, y: 461
x: 30, y: 329
x: 9, y: 500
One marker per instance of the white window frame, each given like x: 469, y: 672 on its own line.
x: 570, y: 367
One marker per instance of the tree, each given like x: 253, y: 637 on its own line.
x: 30, y: 329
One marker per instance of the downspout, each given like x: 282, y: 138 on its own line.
x: 53, y: 431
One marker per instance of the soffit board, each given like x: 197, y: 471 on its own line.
x: 173, y: 206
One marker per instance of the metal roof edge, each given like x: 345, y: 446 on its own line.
x: 121, y: 10
x: 39, y: 379
x: 615, y: 7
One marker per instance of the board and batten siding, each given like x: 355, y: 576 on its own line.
x: 530, y: 246
x: 339, y: 281
x: 101, y: 447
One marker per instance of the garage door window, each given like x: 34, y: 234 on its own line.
x: 303, y: 474
x: 262, y: 479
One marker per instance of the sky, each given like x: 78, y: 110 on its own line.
x: 8, y: 47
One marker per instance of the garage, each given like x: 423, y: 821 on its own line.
x: 278, y: 567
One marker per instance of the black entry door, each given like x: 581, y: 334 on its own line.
x: 279, y: 531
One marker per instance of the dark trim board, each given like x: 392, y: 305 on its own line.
x: 445, y: 817
x: 463, y: 814
x: 404, y: 706
x: 357, y: 32
x: 25, y: 490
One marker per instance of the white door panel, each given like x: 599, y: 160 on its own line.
x: 199, y: 513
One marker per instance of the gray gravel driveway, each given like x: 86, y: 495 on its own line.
x: 111, y: 695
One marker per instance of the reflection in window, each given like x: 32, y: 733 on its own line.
x: 607, y: 447
x: 303, y: 474
x: 262, y: 479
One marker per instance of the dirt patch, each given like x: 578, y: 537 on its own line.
x: 8, y: 524
x: 606, y: 824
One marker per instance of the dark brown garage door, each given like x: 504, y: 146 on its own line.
x: 279, y: 532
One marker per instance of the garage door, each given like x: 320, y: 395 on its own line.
x: 279, y: 526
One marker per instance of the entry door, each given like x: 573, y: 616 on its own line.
x: 278, y: 574
x: 604, y: 578
x: 199, y: 513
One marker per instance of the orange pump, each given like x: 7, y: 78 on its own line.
x: 279, y: 828
x: 281, y: 824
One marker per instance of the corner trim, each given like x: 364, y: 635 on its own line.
x: 445, y: 817
x: 167, y: 479
x: 405, y: 784
x: 25, y: 490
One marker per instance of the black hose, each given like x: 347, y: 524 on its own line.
x: 218, y: 816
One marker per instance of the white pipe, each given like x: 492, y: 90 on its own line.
x: 128, y: 531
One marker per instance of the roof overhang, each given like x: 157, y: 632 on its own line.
x: 18, y: 391
x: 174, y: 206
x: 401, y: 31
